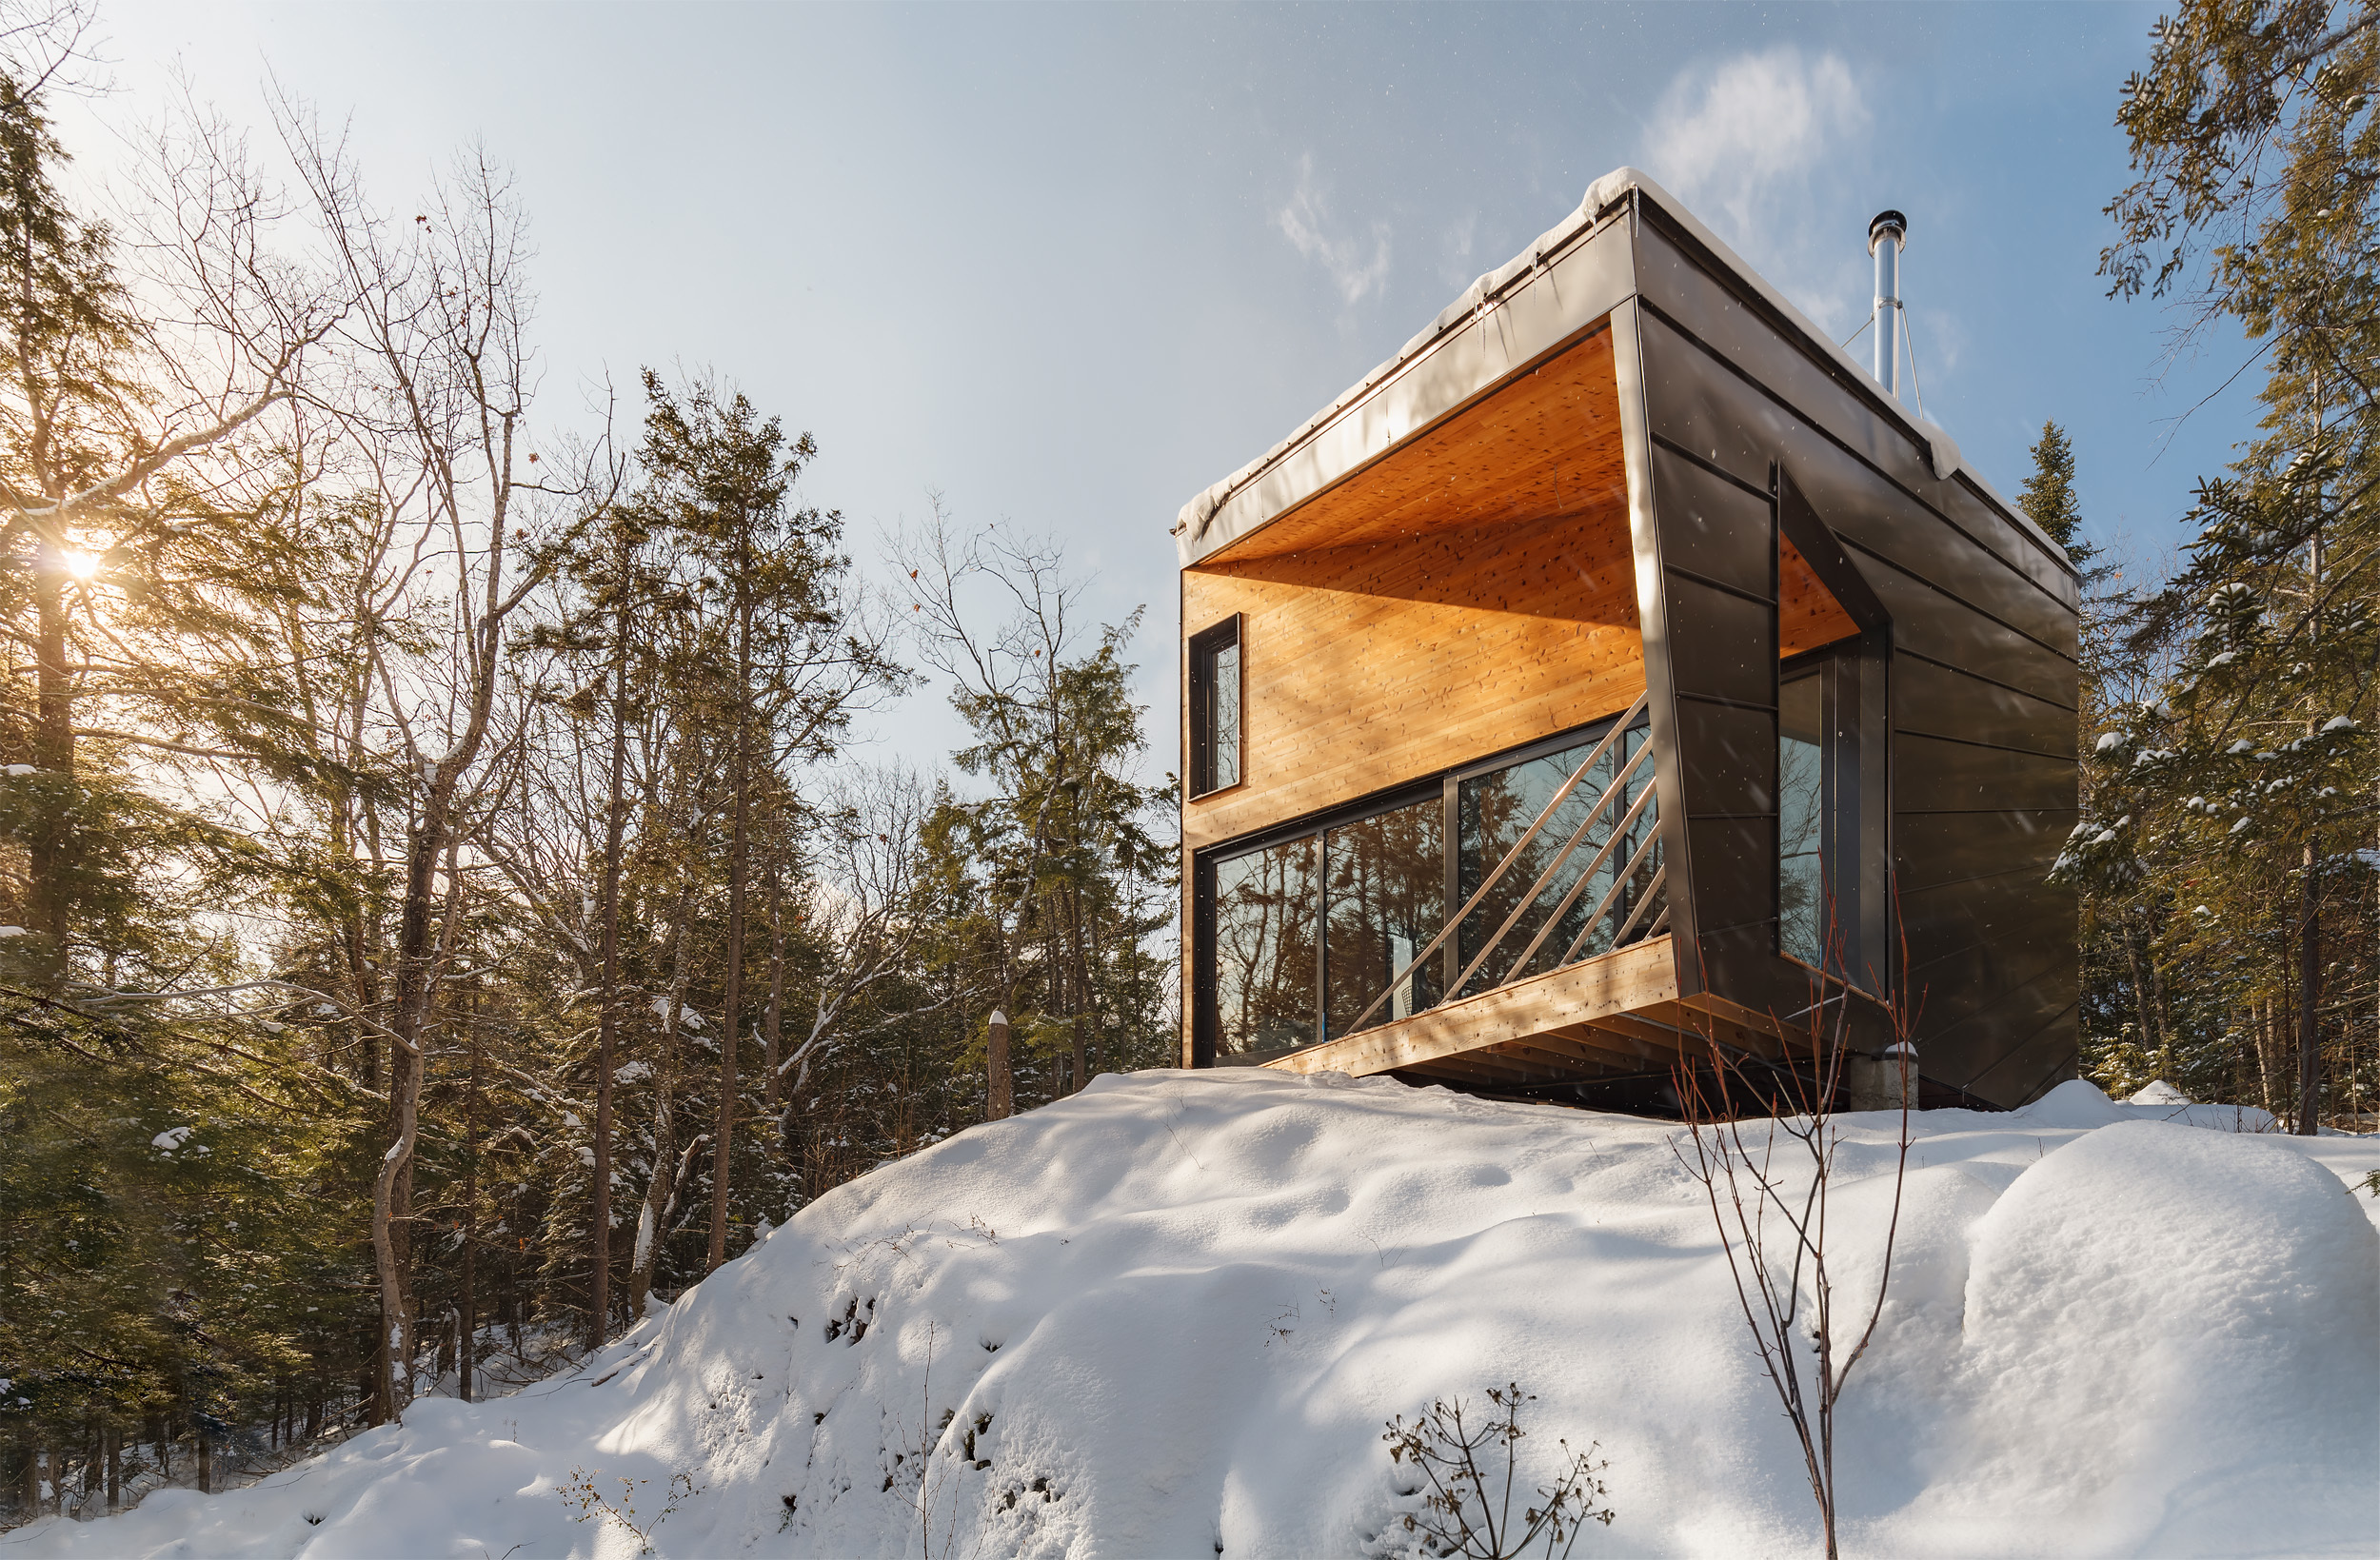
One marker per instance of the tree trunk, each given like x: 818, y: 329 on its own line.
x: 2267, y: 1019
x: 2310, y: 994
x: 470, y: 1219
x: 772, y: 1027
x: 1000, y: 1099
x: 392, y: 1189
x: 49, y: 849
x: 2140, y: 989
x: 732, y: 1021
x: 607, y: 1023
x: 646, y: 1257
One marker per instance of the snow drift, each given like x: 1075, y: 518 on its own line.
x: 1169, y: 1316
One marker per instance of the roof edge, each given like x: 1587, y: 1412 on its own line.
x: 1604, y: 196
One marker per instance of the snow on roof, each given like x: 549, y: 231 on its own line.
x: 1604, y: 198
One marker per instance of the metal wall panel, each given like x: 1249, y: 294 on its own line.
x: 1935, y: 775
x: 1981, y: 1040
x: 1713, y: 526
x: 1707, y: 306
x: 1978, y: 595
x: 1655, y: 626
x: 1941, y: 700
x: 2012, y: 924
x: 1698, y: 404
x: 2035, y: 1065
x: 1942, y: 628
x: 1730, y: 652
x: 1978, y: 968
x: 1729, y: 758
x: 1743, y: 965
x: 1736, y: 871
x: 1932, y: 849
x: 1967, y: 510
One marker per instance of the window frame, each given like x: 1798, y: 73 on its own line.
x: 1200, y: 652
x: 1842, y: 669
x: 1446, y: 786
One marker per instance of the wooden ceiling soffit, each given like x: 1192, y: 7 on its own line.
x: 1545, y: 443
x: 1808, y: 615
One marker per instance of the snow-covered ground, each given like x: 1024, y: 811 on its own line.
x: 1171, y: 1315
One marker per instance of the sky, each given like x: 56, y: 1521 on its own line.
x: 1064, y: 267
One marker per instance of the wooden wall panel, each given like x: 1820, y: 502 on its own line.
x: 1377, y: 663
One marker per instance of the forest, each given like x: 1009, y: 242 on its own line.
x: 406, y: 777
x: 445, y: 905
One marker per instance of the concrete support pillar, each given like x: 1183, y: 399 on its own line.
x: 1881, y: 1084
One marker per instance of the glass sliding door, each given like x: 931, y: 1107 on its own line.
x: 1264, y: 949
x: 1386, y: 876
x: 1302, y: 940
x: 1497, y: 808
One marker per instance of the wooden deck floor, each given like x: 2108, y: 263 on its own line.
x: 1618, y: 1013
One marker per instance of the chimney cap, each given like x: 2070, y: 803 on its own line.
x: 1884, y: 221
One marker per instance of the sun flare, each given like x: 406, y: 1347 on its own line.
x: 81, y: 565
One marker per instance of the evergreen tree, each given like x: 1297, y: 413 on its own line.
x: 2244, y: 781
x: 2047, y: 497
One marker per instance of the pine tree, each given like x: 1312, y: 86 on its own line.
x: 2250, y: 776
x: 2047, y: 497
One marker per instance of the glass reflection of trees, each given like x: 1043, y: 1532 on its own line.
x: 1264, y: 950
x: 1387, y: 881
x: 1498, y: 808
x: 1375, y: 891
x: 1800, y: 812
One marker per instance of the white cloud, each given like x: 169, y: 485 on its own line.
x: 1747, y: 143
x: 1357, y: 264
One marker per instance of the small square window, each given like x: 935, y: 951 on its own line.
x: 1215, y: 707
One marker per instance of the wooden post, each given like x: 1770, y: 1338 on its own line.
x: 995, y: 1063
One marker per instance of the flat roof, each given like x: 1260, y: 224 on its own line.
x: 1246, y: 501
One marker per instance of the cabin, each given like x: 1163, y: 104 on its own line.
x: 1571, y: 692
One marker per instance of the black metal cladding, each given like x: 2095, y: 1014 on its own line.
x: 1739, y: 427
x: 1974, y: 679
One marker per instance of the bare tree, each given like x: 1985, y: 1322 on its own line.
x: 1057, y: 737
x: 1767, y: 1178
x: 862, y: 901
x: 438, y: 399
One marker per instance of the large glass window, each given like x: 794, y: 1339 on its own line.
x: 1800, y: 818
x: 1309, y: 939
x: 1265, y: 948
x: 1386, y: 876
x: 1497, y: 809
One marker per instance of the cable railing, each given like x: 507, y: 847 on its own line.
x: 1635, y: 897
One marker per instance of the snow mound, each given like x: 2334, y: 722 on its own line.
x: 2168, y: 1339
x: 1171, y: 1315
x: 2159, y: 1092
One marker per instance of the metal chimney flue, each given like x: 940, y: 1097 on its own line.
x: 1886, y: 234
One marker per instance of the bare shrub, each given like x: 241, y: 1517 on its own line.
x: 1468, y: 1510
